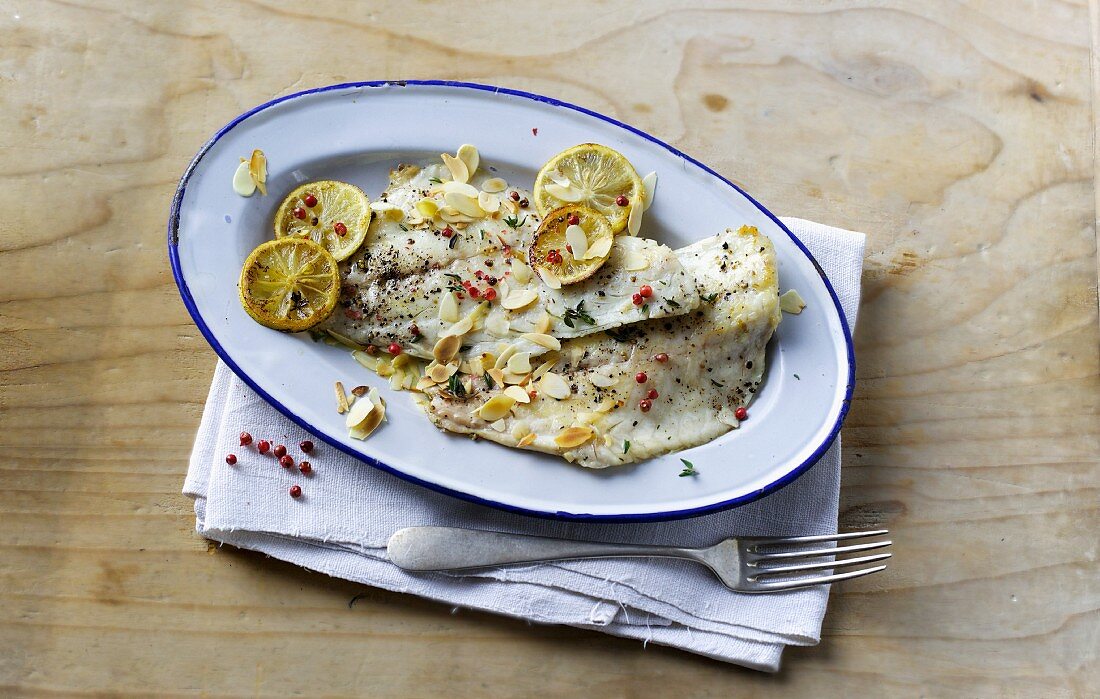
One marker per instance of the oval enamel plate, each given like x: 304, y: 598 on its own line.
x: 356, y: 133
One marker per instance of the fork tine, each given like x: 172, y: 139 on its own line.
x: 830, y: 551
x: 775, y: 540
x: 823, y: 565
x: 810, y: 582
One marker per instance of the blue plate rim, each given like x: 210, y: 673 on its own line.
x: 192, y: 309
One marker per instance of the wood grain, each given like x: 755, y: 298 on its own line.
x: 959, y: 135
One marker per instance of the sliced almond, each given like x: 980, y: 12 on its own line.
x: 425, y: 383
x: 634, y: 220
x: 649, y: 183
x: 504, y: 356
x: 360, y: 391
x: 341, y: 399
x: 441, y: 372
x: 545, y: 323
x: 496, y: 408
x: 496, y: 375
x: 554, y: 386
x: 428, y: 208
x: 460, y: 328
x: 448, y: 308
x: 242, y: 180
x: 517, y: 394
x: 520, y: 299
x: 599, y: 249
x: 359, y: 411
x: 791, y: 302
x: 520, y: 363
x: 388, y: 210
x: 459, y: 171
x: 446, y: 348
x: 374, y: 417
x: 257, y: 168
x: 397, y: 380
x: 568, y: 193
x: 550, y: 279
x: 488, y: 203
x: 520, y: 271
x: 543, y: 368
x: 577, y: 239
x: 526, y: 440
x: 574, y: 436
x: 500, y: 425
x: 459, y: 188
x: 512, y: 378
x: 494, y: 185
x: 520, y: 428
x: 452, y: 215
x: 542, y: 340
x: 470, y: 158
x: 465, y: 204
x: 601, y: 381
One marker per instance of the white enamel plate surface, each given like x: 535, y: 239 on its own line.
x: 357, y: 133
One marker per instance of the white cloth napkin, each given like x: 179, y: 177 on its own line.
x: 350, y: 511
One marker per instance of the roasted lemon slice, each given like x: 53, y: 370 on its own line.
x: 289, y: 284
x: 593, y: 175
x: 334, y: 214
x: 571, y: 244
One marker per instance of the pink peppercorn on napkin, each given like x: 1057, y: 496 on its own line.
x: 341, y: 524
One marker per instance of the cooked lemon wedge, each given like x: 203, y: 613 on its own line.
x: 570, y: 245
x: 334, y: 214
x: 592, y: 175
x: 289, y: 284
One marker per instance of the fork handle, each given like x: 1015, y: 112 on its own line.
x: 450, y: 548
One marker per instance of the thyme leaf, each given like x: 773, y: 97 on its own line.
x: 578, y: 313
x: 454, y: 385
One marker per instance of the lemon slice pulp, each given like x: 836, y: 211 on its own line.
x: 289, y: 284
x: 592, y: 175
x: 334, y: 214
x: 556, y: 252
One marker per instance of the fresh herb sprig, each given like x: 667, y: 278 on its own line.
x: 578, y: 313
x: 514, y: 222
x: 689, y: 469
x: 454, y: 385
x: 455, y: 284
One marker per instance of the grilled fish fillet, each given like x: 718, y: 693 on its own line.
x: 400, y: 277
x: 715, y: 364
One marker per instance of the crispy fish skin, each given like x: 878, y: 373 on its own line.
x: 715, y: 365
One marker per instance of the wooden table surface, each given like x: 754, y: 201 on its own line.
x: 958, y: 135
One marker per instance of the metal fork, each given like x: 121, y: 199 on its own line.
x: 746, y: 564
